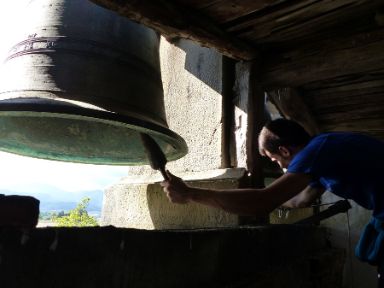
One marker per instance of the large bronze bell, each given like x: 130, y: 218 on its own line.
x: 81, y: 85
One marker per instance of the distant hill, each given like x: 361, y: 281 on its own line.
x: 58, y: 200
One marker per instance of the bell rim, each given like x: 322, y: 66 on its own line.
x: 53, y: 108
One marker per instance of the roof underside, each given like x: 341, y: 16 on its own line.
x: 330, y: 53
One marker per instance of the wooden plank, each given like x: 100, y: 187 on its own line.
x: 348, y: 83
x: 354, y: 125
x: 335, y: 102
x: 306, y: 16
x: 174, y: 21
x: 225, y: 11
x: 353, y: 112
x: 197, y: 4
x: 351, y: 55
x: 252, y: 21
x: 292, y: 106
x: 313, y: 22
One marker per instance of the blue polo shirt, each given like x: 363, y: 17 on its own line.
x: 347, y: 164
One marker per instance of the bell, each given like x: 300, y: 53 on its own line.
x: 81, y: 85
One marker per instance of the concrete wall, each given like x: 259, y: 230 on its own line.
x: 344, y: 232
x: 192, y: 81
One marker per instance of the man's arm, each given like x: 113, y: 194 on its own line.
x: 305, y: 197
x: 258, y: 202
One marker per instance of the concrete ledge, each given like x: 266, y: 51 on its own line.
x: 139, y: 202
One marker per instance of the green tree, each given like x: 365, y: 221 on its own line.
x: 77, y: 217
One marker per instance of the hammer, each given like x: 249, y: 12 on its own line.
x: 156, y: 157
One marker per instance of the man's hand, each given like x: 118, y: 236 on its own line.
x: 176, y: 189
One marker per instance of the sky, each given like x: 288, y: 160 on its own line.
x: 23, y: 174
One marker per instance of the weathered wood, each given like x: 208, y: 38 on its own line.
x: 354, y: 125
x: 321, y: 21
x: 348, y: 83
x: 291, y: 105
x: 322, y: 103
x: 197, y: 4
x: 254, y: 20
x: 240, y: 102
x: 175, y: 21
x: 349, y: 55
x: 358, y: 113
x: 292, y: 20
x: 256, y: 120
x: 227, y: 120
x: 225, y: 11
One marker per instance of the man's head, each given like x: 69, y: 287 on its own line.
x: 281, y: 139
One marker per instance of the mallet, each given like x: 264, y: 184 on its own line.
x: 155, y: 155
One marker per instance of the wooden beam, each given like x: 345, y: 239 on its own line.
x: 256, y: 121
x: 358, y: 54
x: 291, y: 106
x: 174, y: 21
x: 228, y: 110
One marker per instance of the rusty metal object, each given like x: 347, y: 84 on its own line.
x: 340, y: 206
x: 81, y: 85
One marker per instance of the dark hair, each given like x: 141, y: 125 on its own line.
x: 282, y: 132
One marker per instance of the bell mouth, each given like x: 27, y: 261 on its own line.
x: 58, y: 130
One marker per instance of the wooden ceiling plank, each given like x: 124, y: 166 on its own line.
x: 174, y: 21
x: 358, y: 108
x: 305, y: 15
x: 336, y: 100
x: 343, y: 122
x: 198, y: 4
x: 298, y: 69
x: 301, y: 28
x: 225, y: 11
x: 355, y: 89
x: 269, y: 14
x: 365, y: 80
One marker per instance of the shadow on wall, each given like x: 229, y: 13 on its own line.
x: 203, y: 63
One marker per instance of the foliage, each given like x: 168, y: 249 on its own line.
x: 77, y: 217
x: 50, y: 214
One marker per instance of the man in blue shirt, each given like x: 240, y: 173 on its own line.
x: 346, y: 164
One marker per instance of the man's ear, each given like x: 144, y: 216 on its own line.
x: 284, y: 151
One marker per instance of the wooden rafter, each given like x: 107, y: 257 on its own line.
x: 175, y: 21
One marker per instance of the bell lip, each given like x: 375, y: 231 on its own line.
x: 55, y: 107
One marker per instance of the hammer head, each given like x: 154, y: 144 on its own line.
x: 155, y: 155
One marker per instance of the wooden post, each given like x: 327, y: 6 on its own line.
x: 227, y: 121
x: 291, y: 105
x: 256, y: 120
